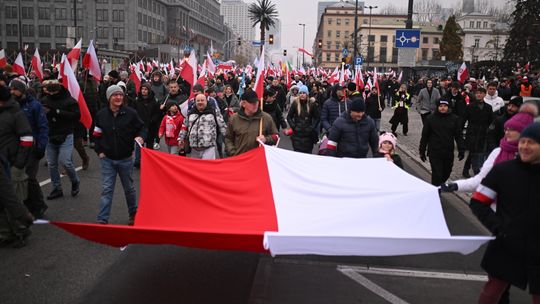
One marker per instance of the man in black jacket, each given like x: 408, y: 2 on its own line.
x: 15, y: 146
x: 513, y: 257
x: 116, y: 128
x: 440, y: 131
x: 62, y: 114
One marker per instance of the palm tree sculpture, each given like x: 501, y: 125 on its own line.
x: 263, y: 13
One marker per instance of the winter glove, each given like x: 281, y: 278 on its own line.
x: 449, y: 187
x: 423, y: 157
x: 38, y: 153
x: 461, y: 155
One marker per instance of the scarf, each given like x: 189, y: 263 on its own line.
x: 508, y: 151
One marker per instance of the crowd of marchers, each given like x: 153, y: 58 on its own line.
x: 489, y: 123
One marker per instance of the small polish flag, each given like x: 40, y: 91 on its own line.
x: 36, y: 65
x: 136, y: 77
x: 18, y: 65
x: 3, y: 60
x: 70, y: 82
x: 463, y: 73
x: 74, y: 54
x: 91, y: 62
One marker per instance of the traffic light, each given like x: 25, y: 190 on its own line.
x: 271, y: 39
x: 239, y: 41
x: 284, y: 52
x: 320, y: 43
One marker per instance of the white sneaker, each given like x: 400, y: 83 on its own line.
x: 156, y: 146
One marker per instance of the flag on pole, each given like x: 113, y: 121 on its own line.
x: 74, y: 54
x: 259, y: 81
x: 267, y: 210
x: 342, y: 76
x: 210, y: 66
x: 70, y: 82
x: 189, y: 69
x: 135, y: 76
x: 202, y: 77
x: 358, y: 79
x: 3, y: 60
x: 18, y: 65
x: 400, y: 77
x: 463, y: 73
x: 61, y: 69
x: 36, y: 65
x: 376, y: 80
x: 301, y: 50
x: 91, y: 62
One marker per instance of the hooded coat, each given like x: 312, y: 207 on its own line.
x: 303, y: 117
x: 333, y: 108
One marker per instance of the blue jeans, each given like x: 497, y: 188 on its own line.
x: 109, y: 169
x: 61, y: 155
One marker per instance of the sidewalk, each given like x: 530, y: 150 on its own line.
x: 409, y: 145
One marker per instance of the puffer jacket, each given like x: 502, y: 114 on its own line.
x: 200, y: 127
x: 332, y: 109
x: 353, y: 138
x: 38, y: 121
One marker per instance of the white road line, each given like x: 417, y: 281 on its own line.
x: 376, y: 289
x: 43, y: 183
x: 414, y: 273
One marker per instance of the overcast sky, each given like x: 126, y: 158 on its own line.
x: 292, y: 12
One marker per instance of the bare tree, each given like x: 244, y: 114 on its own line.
x: 427, y: 10
x: 392, y: 9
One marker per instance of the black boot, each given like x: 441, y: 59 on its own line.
x: 56, y: 193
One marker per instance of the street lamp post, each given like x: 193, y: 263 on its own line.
x: 355, y: 29
x: 369, y: 30
x: 303, y: 41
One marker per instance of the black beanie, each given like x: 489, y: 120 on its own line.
x: 358, y: 105
x: 18, y: 85
x: 4, y: 93
x: 517, y: 101
x: 532, y: 132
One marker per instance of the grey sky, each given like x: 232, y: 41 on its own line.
x: 292, y: 12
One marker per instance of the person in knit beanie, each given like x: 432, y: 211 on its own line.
x: 507, y: 150
x: 387, y: 149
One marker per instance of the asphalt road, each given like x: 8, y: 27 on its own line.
x: 56, y: 267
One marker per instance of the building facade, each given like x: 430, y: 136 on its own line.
x: 484, y: 38
x: 168, y: 26
x: 235, y: 14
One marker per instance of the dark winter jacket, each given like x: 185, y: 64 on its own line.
x: 332, y: 109
x: 148, y: 110
x: 304, y: 124
x: 438, y: 135
x: 160, y: 91
x: 514, y: 256
x: 15, y: 134
x: 63, y: 114
x: 281, y: 97
x: 38, y: 121
x: 479, y: 116
x: 115, y: 135
x: 372, y: 106
x: 277, y: 115
x: 496, y: 131
x: 353, y: 138
x: 456, y: 103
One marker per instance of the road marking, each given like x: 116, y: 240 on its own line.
x: 414, y: 273
x: 376, y: 289
x: 48, y: 180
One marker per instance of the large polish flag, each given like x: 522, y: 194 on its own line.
x: 3, y: 60
x: 283, y: 204
x: 70, y: 82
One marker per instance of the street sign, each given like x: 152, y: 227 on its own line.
x: 407, y: 57
x: 358, y: 60
x: 256, y: 43
x: 407, y: 38
x: 345, y: 52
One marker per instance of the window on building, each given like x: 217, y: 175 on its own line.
x: 338, y: 34
x: 44, y: 31
x: 364, y: 21
x: 102, y: 15
x: 394, y: 55
x: 347, y: 34
x: 102, y: 1
x: 477, y: 42
x: 370, y: 53
x: 11, y: 12
x: 118, y: 33
x: 27, y: 13
x: 485, y: 24
x: 478, y: 24
x: 12, y: 30
x: 328, y: 44
x: 336, y: 56
x: 79, y: 14
x: 384, y: 38
x: 338, y: 21
x: 346, y: 21
x: 338, y: 45
x: 474, y: 58
x: 60, y: 31
x: 425, y: 40
x: 436, y: 55
x: 44, y: 13
x: 140, y: 3
x: 436, y: 40
x: 118, y: 15
x: 139, y: 18
x: 103, y: 32
x: 382, y: 54
x: 144, y: 20
x: 139, y: 35
x: 118, y: 2
x: 329, y: 20
x: 329, y: 33
x: 425, y: 54
x: 471, y: 24
x: 60, y: 14
x: 27, y: 30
